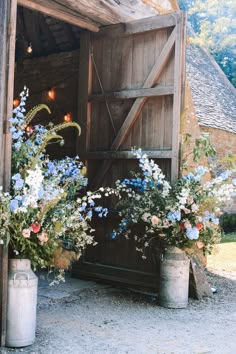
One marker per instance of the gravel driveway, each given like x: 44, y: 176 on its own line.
x: 103, y: 319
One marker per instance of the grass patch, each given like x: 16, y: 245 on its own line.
x: 229, y: 237
x: 223, y: 257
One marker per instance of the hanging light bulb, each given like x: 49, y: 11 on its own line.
x: 51, y: 94
x: 29, y: 129
x: 16, y: 102
x: 29, y: 48
x: 67, y: 117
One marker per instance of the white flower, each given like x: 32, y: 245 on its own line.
x: 146, y: 216
x: 194, y: 207
x: 26, y: 233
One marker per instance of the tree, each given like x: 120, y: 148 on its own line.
x: 215, y: 25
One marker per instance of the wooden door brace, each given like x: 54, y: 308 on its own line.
x: 137, y: 106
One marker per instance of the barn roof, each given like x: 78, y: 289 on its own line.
x: 38, y: 24
x: 213, y: 95
x: 92, y: 14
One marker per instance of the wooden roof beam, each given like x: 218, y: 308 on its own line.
x: 60, y: 12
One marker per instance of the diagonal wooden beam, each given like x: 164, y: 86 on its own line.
x: 137, y: 106
x: 60, y: 12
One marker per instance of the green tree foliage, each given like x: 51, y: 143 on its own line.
x: 214, y: 21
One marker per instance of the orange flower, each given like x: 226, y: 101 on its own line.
x: 35, y: 227
x: 199, y: 226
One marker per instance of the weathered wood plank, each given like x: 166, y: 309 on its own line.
x: 127, y: 84
x: 140, y: 26
x: 139, y: 74
x: 116, y: 155
x: 198, y: 283
x: 3, y: 78
x: 137, y: 106
x: 8, y: 11
x: 85, y: 83
x: 150, y: 81
x: 179, y: 64
x: 60, y: 12
x: 11, y: 41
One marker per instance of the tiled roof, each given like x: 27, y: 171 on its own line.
x: 213, y: 95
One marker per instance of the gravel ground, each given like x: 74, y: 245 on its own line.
x: 110, y: 320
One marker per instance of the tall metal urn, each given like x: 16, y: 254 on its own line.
x: 22, y: 304
x: 174, y: 278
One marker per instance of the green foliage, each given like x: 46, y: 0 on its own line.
x: 229, y: 237
x: 202, y: 148
x: 214, y: 22
x: 228, y: 222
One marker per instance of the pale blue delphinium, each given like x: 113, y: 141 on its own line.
x: 174, y: 216
x: 192, y: 233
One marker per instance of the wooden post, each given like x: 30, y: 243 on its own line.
x: 8, y: 11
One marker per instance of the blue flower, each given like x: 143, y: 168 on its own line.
x: 17, y: 134
x: 225, y: 175
x: 201, y: 170
x: 89, y: 214
x: 192, y: 233
x: 14, y: 205
x: 113, y: 235
x: 174, y: 216
x: 211, y: 217
x: 18, y: 181
x: 98, y: 209
x: 13, y: 130
x: 83, y: 207
x: 17, y: 145
x: 51, y: 168
x: 189, y: 176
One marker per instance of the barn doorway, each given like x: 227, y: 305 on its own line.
x: 47, y: 63
x: 125, y: 81
x: 103, y: 81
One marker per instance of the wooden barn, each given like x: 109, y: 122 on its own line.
x: 117, y: 68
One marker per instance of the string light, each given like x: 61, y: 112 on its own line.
x: 29, y: 49
x: 67, y: 117
x: 51, y: 94
x: 16, y: 102
x: 29, y: 129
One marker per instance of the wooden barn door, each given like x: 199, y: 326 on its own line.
x: 130, y: 92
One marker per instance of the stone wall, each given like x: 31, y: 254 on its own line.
x: 60, y: 73
x: 224, y: 142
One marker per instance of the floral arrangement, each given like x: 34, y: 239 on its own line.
x: 177, y: 215
x: 43, y: 210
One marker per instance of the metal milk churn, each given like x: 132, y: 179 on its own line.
x: 22, y: 303
x: 174, y: 278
